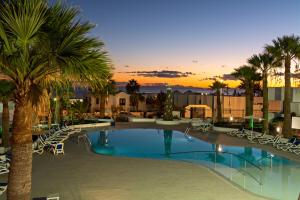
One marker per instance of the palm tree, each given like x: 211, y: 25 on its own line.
x: 248, y: 75
x: 38, y: 43
x: 217, y: 85
x: 104, y: 91
x: 6, y: 90
x: 160, y: 103
x: 286, y: 49
x: 133, y: 88
x: 265, y: 63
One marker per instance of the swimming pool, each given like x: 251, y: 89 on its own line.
x: 252, y: 169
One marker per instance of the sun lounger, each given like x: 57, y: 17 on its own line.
x: 268, y: 139
x: 243, y: 133
x: 3, y: 187
x: 3, y: 170
x: 285, y: 144
x: 295, y: 149
x: 202, y: 126
x: 255, y: 136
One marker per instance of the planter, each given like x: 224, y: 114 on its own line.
x: 135, y: 119
x: 168, y: 123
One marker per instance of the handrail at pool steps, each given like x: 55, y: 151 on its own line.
x: 243, y: 171
x: 85, y: 138
x: 224, y: 152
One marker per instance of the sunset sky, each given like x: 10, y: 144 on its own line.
x: 186, y: 42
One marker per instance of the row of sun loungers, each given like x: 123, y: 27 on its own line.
x: 54, y: 140
x: 277, y: 141
x: 4, y: 169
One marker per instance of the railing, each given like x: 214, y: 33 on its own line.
x: 222, y: 152
x: 86, y: 140
x: 243, y: 170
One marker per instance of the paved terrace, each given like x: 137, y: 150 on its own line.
x: 81, y: 174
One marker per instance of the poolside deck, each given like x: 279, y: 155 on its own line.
x: 81, y: 174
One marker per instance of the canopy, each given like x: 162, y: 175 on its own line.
x: 197, y: 106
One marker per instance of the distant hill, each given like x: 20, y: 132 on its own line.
x: 156, y: 88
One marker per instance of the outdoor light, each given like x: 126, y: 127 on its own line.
x: 272, y: 155
x: 278, y: 129
x: 260, y: 119
x: 81, y: 100
x: 231, y: 118
x: 54, y: 99
x: 220, y: 148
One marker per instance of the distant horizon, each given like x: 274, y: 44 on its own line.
x: 186, y: 42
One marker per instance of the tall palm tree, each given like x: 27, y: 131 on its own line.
x: 218, y: 85
x: 265, y: 63
x: 133, y: 88
x: 6, y: 91
x: 248, y: 75
x: 286, y: 49
x: 39, y: 42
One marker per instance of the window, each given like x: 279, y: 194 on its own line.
x: 97, y: 100
x: 122, y: 102
x: 278, y: 94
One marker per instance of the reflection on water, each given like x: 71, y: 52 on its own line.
x: 253, y: 169
x: 102, y: 145
x: 168, y: 142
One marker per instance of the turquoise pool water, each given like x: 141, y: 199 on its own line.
x: 252, y: 169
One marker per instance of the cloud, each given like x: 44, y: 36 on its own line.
x: 228, y: 77
x: 162, y: 74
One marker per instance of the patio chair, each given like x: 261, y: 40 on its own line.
x: 58, y: 149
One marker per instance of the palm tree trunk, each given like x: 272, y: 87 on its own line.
x: 49, y: 119
x: 248, y: 99
x: 219, y: 106
x: 5, y: 123
x: 265, y: 103
x: 287, y: 99
x: 251, y: 96
x: 102, y: 106
x: 57, y: 110
x: 19, y: 179
x: 249, y: 103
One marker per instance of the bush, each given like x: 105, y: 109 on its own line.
x: 121, y: 119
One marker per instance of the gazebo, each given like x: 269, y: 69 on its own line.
x: 198, y: 111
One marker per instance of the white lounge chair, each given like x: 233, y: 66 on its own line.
x: 3, y: 187
x: 235, y: 132
x: 3, y: 170
x: 284, y: 144
x: 295, y: 149
x: 255, y: 136
x: 268, y: 139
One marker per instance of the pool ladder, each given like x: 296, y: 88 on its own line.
x: 187, y: 130
x: 85, y: 139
